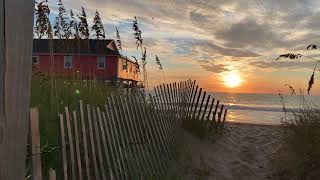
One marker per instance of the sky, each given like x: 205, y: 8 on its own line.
x: 226, y: 45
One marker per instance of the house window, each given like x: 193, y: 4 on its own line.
x: 101, y: 62
x: 35, y: 60
x: 67, y: 62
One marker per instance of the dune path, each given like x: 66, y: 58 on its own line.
x: 243, y: 153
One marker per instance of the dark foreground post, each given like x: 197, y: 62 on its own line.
x: 16, y: 32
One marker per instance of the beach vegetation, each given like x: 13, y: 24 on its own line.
x: 195, y: 127
x: 299, y: 154
x: 42, y: 26
x: 97, y: 27
x: 83, y: 25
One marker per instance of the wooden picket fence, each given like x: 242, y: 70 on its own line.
x: 131, y: 136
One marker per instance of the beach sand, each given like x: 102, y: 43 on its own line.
x: 243, y: 153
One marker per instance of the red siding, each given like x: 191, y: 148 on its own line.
x: 84, y: 65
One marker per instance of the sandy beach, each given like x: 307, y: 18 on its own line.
x: 241, y: 154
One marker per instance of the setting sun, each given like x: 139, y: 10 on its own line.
x: 232, y: 80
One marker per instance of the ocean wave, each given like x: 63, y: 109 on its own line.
x: 259, y: 108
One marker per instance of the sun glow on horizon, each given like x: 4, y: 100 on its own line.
x: 232, y: 80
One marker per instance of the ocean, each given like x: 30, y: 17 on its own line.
x: 261, y: 108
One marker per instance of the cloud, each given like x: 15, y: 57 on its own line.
x: 290, y: 65
x: 249, y: 33
x: 215, y: 68
x: 209, y: 47
x: 198, y: 17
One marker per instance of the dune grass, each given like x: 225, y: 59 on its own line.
x: 50, y: 97
x: 299, y: 156
x: 195, y: 127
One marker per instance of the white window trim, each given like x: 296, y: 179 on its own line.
x: 104, y: 62
x: 37, y: 60
x: 64, y: 62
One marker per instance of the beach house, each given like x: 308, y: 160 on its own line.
x: 83, y: 58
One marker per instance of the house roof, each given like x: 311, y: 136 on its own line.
x: 75, y: 46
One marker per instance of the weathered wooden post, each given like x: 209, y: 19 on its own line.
x: 35, y: 145
x: 16, y: 32
x: 52, y: 174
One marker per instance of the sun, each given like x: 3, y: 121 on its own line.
x: 232, y: 80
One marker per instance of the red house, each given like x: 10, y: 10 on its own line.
x: 83, y: 58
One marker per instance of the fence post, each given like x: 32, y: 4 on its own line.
x: 63, y: 146
x: 84, y: 138
x: 52, y: 174
x: 16, y: 30
x: 75, y: 124
x: 35, y: 146
x: 70, y: 142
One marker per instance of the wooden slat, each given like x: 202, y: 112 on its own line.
x: 191, y: 96
x: 84, y: 139
x: 153, y: 129
x: 140, y: 141
x: 75, y: 123
x: 190, y: 106
x: 166, y: 94
x: 113, y: 154
x: 190, y: 90
x: 224, y: 119
x: 35, y: 144
x: 105, y: 147
x: 164, y: 107
x: 93, y: 149
x: 160, y: 128
x: 171, y: 103
x: 205, y: 108
x: 98, y: 143
x: 166, y: 111
x: 128, y: 118
x: 115, y: 139
x: 125, y: 134
x: 201, y: 104
x: 145, y: 134
x: 213, y: 121
x: 196, y: 105
x: 70, y: 141
x: 164, y: 118
x: 210, y: 110
x: 218, y: 127
x: 224, y: 116
x: 63, y: 148
x: 52, y: 174
x: 180, y: 105
x: 151, y: 139
x: 185, y: 98
x: 120, y: 136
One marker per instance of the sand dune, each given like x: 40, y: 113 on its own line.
x: 242, y: 154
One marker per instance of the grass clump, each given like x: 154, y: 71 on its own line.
x: 299, y: 156
x: 196, y: 127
